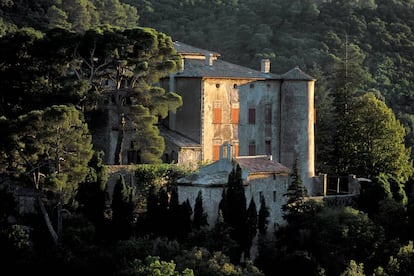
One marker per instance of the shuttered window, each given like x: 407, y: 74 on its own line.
x: 216, y: 152
x: 236, y: 150
x: 217, y: 113
x: 235, y: 115
x: 252, y: 116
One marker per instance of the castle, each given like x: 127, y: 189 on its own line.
x: 256, y: 112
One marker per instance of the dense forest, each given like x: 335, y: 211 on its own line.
x: 55, y: 61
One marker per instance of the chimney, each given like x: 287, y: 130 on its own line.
x: 209, y: 59
x: 265, y: 66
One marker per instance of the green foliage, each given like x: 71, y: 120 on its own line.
x: 251, y: 225
x: 55, y: 142
x: 402, y: 263
x: 17, y: 248
x: 34, y: 72
x: 354, y: 269
x: 204, y: 263
x: 200, y: 217
x: 347, y: 226
x: 153, y: 177
x: 235, y: 212
x: 392, y: 217
x: 296, y: 194
x: 123, y: 205
x: 152, y: 265
x: 91, y: 194
x: 263, y: 217
x: 371, y: 193
x: 378, y: 141
x: 79, y: 15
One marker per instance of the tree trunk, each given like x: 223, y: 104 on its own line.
x: 120, y: 141
x: 46, y: 218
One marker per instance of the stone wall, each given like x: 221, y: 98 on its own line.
x: 272, y: 188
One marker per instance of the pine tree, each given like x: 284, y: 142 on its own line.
x: 295, y: 195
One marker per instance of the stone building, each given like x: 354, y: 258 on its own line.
x: 260, y: 175
x: 257, y: 112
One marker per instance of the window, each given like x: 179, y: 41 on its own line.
x: 268, y: 147
x: 235, y: 114
x: 268, y: 113
x: 216, y: 149
x: 216, y: 152
x: 217, y: 113
x: 252, y: 148
x: 236, y: 150
x: 252, y: 116
x: 274, y: 196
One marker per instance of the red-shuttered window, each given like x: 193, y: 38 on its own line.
x: 217, y: 113
x: 236, y: 150
x: 216, y: 152
x: 235, y: 115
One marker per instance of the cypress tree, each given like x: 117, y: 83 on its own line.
x: 163, y: 206
x: 251, y: 226
x: 236, y: 211
x: 91, y: 194
x: 200, y: 217
x: 263, y: 216
x: 123, y: 203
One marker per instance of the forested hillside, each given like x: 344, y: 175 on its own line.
x: 372, y: 39
x: 56, y: 60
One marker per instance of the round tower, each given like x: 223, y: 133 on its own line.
x: 297, y: 119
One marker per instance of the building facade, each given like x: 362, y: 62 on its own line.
x: 261, y: 177
x: 257, y: 112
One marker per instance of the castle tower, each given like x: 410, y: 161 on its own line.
x: 297, y: 119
